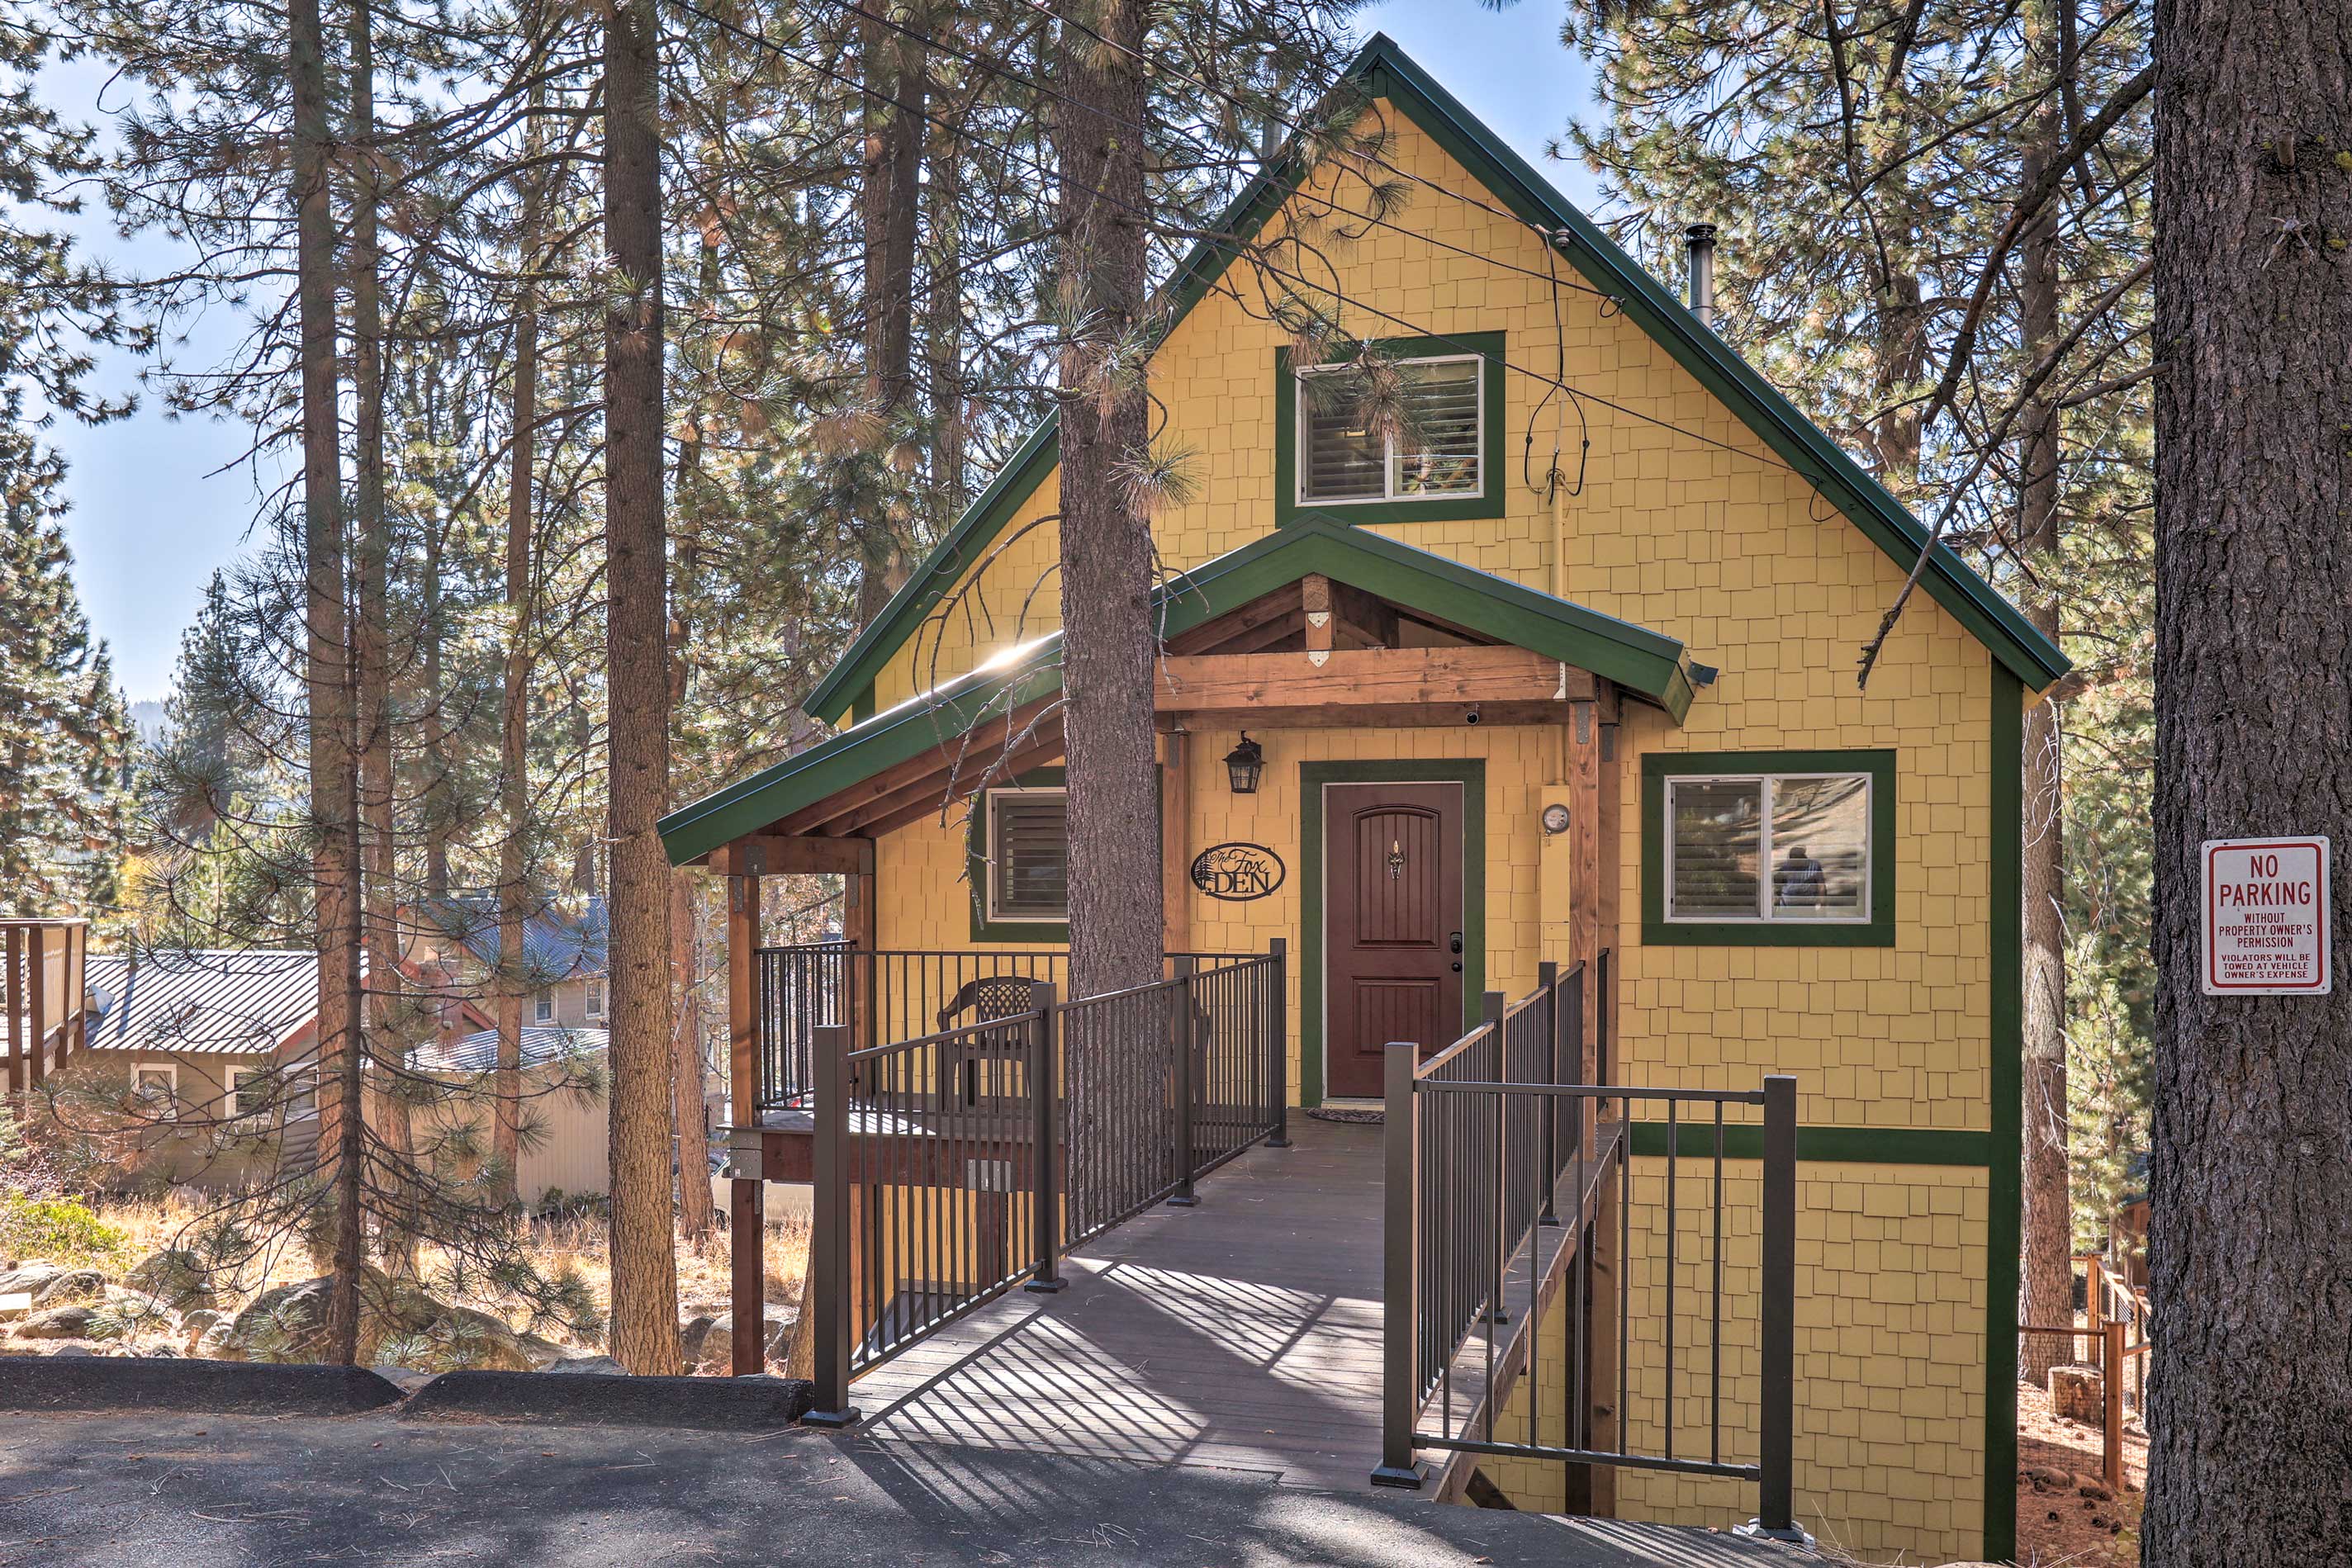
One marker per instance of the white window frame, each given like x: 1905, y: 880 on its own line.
x: 230, y: 1077
x: 1764, y: 915
x: 996, y: 915
x: 171, y: 1071
x: 1302, y: 404
x: 542, y: 1005
x: 594, y: 986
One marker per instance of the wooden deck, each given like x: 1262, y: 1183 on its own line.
x: 1244, y: 1333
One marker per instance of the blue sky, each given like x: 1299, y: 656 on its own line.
x: 159, y: 503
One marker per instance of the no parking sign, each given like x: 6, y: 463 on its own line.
x: 2266, y: 918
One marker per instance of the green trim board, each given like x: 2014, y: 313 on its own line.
x: 975, y: 859
x: 1382, y: 70
x: 1470, y: 772
x: 1639, y: 660
x: 1658, y: 931
x: 2005, y: 1197
x: 1488, y: 503
x: 1823, y: 1145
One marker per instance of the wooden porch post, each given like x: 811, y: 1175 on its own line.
x: 1175, y: 838
x: 864, y: 975
x: 747, y: 1230
x: 37, y: 976
x: 1602, y: 771
x: 12, y: 998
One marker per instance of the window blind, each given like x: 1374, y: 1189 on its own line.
x: 1435, y: 451
x: 1029, y: 855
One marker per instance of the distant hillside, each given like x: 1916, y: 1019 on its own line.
x: 154, y: 726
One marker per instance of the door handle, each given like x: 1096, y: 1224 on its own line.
x: 1453, y: 945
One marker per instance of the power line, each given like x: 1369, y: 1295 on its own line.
x: 1236, y: 251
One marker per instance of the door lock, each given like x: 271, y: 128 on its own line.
x: 1454, y: 945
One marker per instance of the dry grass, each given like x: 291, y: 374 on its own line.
x: 576, y: 1242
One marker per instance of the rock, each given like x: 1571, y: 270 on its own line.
x: 692, y: 1335
x: 779, y: 1336
x: 73, y: 1320
x: 543, y: 1352
x: 476, y: 1339
x: 289, y: 1323
x: 2092, y: 1487
x: 408, y: 1379
x: 27, y: 1277
x: 605, y: 1365
x: 175, y: 1276
x: 218, y: 1342
x: 198, y: 1323
x: 73, y: 1350
x: 2078, y: 1393
x: 71, y: 1285
x: 2047, y: 1476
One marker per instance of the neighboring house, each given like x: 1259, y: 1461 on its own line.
x: 1432, y: 723
x: 562, y: 1097
x: 216, y: 1038
x: 564, y: 960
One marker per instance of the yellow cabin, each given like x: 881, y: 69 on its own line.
x: 1489, y: 791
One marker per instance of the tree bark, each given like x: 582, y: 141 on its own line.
x: 514, y: 890
x: 891, y: 195
x: 2047, y: 1225
x: 327, y: 680
x: 2250, y: 1250
x: 644, y: 1255
x: 1107, y: 638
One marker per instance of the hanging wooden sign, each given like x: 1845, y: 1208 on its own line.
x: 1237, y: 873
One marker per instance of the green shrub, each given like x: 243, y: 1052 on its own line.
x: 61, y: 1230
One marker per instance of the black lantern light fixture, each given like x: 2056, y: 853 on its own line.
x: 1243, y: 763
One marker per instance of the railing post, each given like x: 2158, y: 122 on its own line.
x: 1586, y: 1110
x: 829, y: 1284
x: 1548, y: 982
x: 1183, y: 1032
x: 1491, y: 1020
x: 1400, y: 1270
x: 37, y: 988
x: 1776, y: 1509
x: 2112, y: 1438
x: 1044, y: 1142
x: 1277, y: 1032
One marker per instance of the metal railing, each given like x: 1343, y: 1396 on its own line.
x: 1491, y: 1144
x: 44, y: 999
x: 951, y: 1167
x: 888, y: 994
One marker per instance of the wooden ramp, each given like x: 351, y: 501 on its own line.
x: 1244, y: 1333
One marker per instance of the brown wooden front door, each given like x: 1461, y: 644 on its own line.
x: 1392, y: 926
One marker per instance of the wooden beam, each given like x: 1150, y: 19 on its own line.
x: 1359, y: 715
x: 1359, y: 617
x: 1246, y: 684
x: 778, y: 854
x: 1314, y: 595
x: 929, y: 803
x: 1280, y: 605
x: 742, y: 998
x: 835, y: 814
x: 1175, y: 841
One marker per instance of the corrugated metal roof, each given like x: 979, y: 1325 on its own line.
x: 557, y: 945
x: 542, y: 1043
x: 228, y: 1002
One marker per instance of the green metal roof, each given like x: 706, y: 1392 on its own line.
x: 1639, y: 660
x: 1384, y: 70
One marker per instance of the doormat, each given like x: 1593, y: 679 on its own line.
x: 1360, y: 1118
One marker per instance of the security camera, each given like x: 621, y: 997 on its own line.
x: 1470, y: 717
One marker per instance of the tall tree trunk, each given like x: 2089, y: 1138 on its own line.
x: 891, y: 195
x: 1116, y: 926
x: 2250, y: 1256
x: 371, y: 532
x: 438, y: 823
x: 327, y: 680
x: 944, y: 332
x: 2048, y: 1223
x: 644, y: 1253
x: 514, y: 890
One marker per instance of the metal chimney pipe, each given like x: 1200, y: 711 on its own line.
x: 1701, y: 238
